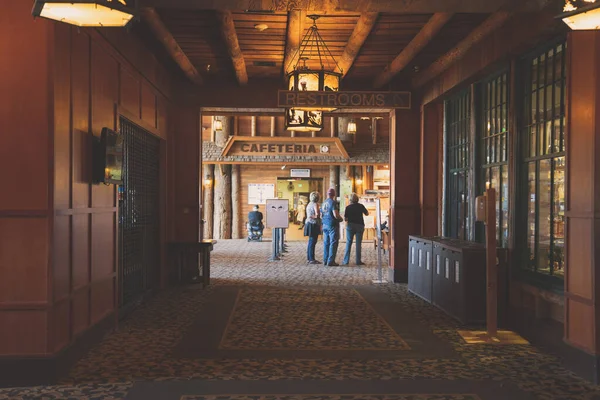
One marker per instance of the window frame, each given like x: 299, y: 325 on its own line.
x: 523, y: 160
x: 458, y: 113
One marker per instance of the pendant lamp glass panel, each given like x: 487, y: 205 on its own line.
x: 303, y: 120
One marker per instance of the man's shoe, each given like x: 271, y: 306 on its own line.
x: 333, y: 264
x: 360, y: 263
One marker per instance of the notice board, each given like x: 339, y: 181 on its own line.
x: 258, y: 193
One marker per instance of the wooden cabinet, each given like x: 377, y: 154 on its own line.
x: 451, y: 274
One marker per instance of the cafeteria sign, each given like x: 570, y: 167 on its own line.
x: 385, y: 100
x: 282, y: 146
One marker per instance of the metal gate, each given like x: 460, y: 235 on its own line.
x: 138, y: 215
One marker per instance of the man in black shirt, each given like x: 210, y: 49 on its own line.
x: 255, y: 218
x: 355, y: 226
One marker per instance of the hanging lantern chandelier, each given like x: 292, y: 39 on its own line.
x: 581, y: 14
x: 85, y: 13
x: 315, y: 70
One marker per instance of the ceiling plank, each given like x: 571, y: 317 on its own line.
x: 163, y: 35
x: 328, y: 6
x: 425, y: 35
x: 492, y: 23
x: 295, y: 30
x: 233, y: 46
x: 361, y: 32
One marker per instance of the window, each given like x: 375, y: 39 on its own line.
x: 543, y: 169
x: 493, y: 147
x: 458, y: 114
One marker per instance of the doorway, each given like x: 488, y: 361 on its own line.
x: 297, y: 192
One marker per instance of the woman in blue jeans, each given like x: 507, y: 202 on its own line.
x: 355, y: 226
x: 312, y: 227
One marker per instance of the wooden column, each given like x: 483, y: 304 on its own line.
x: 222, y: 183
x: 334, y: 178
x: 272, y: 126
x: 236, y: 209
x: 432, y: 117
x: 209, y: 171
x: 253, y: 126
x: 404, y: 202
x: 333, y: 121
x: 582, y: 280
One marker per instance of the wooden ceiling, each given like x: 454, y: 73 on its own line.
x: 212, y: 45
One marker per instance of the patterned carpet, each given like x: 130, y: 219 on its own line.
x: 255, y: 306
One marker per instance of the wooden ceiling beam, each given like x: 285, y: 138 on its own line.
x: 329, y: 6
x: 295, y: 31
x: 361, y: 32
x: 422, y: 39
x: 163, y: 35
x: 233, y: 46
x: 488, y: 26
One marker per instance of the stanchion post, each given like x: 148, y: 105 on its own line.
x: 274, y: 256
x: 491, y: 272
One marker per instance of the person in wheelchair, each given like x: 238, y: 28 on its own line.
x: 255, y: 225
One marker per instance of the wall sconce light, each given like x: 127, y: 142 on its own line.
x: 283, y: 167
x: 359, y: 181
x: 207, y: 181
x: 101, y: 13
x: 217, y: 125
x: 352, y: 127
x: 584, y: 17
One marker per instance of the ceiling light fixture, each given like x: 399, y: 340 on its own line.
x: 217, y: 124
x: 85, y: 13
x: 581, y: 14
x: 315, y: 70
x: 352, y: 127
x: 261, y: 27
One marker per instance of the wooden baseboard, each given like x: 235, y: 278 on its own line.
x: 29, y: 371
x: 548, y: 334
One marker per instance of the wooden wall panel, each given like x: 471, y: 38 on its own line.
x: 582, y: 283
x: 62, y: 117
x: 187, y: 173
x: 61, y: 269
x: 404, y: 162
x: 27, y: 334
x: 61, y: 333
x: 162, y: 111
x: 431, y: 130
x: 102, y: 300
x: 81, y: 311
x: 129, y: 92
x: 24, y: 111
x: 578, y: 329
x: 148, y: 105
x: 23, y: 260
x: 103, y: 245
x: 82, y: 142
x: 81, y: 251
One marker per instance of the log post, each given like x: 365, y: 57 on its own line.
x: 236, y: 209
x: 209, y: 172
x: 334, y: 178
x: 333, y: 122
x: 272, y: 126
x: 222, y: 183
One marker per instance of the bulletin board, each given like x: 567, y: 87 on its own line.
x: 277, y: 213
x: 258, y: 193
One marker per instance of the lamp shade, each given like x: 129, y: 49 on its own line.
x: 218, y: 125
x: 583, y: 18
x: 352, y: 127
x: 303, y: 120
x: 85, y: 13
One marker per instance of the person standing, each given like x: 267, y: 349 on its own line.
x: 312, y: 227
x: 330, y: 214
x: 355, y: 226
